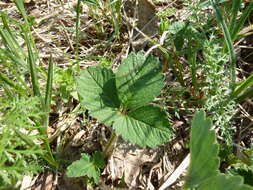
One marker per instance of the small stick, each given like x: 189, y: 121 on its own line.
x: 180, y: 169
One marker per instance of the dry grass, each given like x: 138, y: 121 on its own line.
x: 71, y: 133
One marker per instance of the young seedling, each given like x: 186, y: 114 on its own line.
x: 123, y: 100
x: 203, y: 173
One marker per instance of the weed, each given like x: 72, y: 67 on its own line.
x: 110, y: 10
x: 217, y: 87
x: 19, y: 138
x: 87, y: 166
x: 14, y: 81
x: 204, y: 161
x: 122, y: 99
x: 198, y: 50
x: 64, y: 81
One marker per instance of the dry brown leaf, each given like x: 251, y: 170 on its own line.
x: 127, y: 160
x: 26, y: 183
x: 44, y: 182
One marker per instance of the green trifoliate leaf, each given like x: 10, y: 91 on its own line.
x: 145, y: 126
x: 203, y: 150
x: 96, y: 87
x: 139, y: 80
x: 222, y: 182
x: 123, y: 102
x: 86, y: 166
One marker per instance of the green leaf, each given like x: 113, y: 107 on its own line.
x: 176, y: 27
x: 123, y: 102
x: 242, y: 20
x: 204, y: 151
x: 139, y: 80
x: 48, y: 94
x: 21, y: 8
x: 243, y: 85
x: 203, y: 172
x: 222, y: 182
x: 84, y: 167
x: 96, y: 87
x: 98, y: 158
x: 145, y: 126
x: 242, y: 170
x: 179, y: 42
x: 12, y: 84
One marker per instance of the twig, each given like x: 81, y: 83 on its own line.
x: 180, y: 169
x: 67, y: 36
x: 110, y: 145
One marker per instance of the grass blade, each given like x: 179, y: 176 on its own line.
x: 32, y: 58
x: 47, y: 105
x: 92, y: 2
x: 9, y: 37
x: 17, y: 61
x: 20, y: 5
x: 49, y: 84
x: 11, y: 44
x: 243, y: 86
x: 78, y: 11
x: 193, y: 67
x: 247, y: 94
x: 12, y: 84
x: 48, y: 94
x: 23, y: 137
x: 30, y: 143
x: 228, y: 41
x: 32, y: 64
x: 242, y: 21
x: 235, y: 10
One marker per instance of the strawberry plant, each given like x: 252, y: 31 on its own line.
x: 87, y: 166
x: 203, y: 173
x: 123, y: 99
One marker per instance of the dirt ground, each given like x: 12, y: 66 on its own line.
x: 72, y: 134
